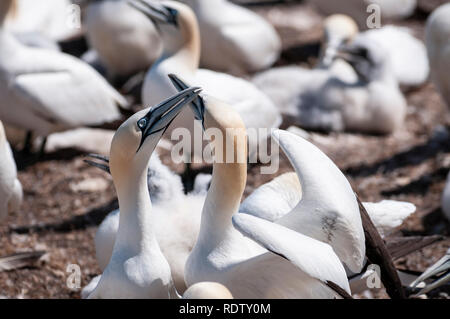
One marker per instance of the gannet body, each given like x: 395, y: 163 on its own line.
x: 50, y: 18
x: 246, y: 42
x: 46, y: 91
x: 409, y: 70
x: 137, y: 268
x: 273, y: 261
x: 180, y: 35
x: 322, y: 100
x: 125, y: 40
x: 437, y: 37
x: 10, y: 187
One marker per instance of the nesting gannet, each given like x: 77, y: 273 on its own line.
x: 321, y: 100
x: 437, y: 38
x: 274, y: 261
x: 246, y: 42
x: 441, y: 269
x: 361, y: 12
x: 10, y: 187
x: 181, y: 40
x: 51, y: 18
x: 125, y: 40
x: 137, y: 268
x: 46, y: 91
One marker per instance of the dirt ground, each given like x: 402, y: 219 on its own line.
x: 61, y: 211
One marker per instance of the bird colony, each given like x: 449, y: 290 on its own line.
x: 215, y: 149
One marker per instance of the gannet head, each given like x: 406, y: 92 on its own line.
x: 207, y: 290
x: 369, y: 60
x: 176, y: 21
x: 136, y: 138
x: 338, y: 29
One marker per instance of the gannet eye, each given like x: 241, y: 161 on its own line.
x: 142, y: 123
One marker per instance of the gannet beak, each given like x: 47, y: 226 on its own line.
x: 155, y: 11
x: 197, y: 105
x: 158, y: 119
x: 441, y: 269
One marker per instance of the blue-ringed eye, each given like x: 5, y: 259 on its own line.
x: 142, y: 123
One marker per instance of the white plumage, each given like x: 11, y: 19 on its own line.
x: 47, y: 91
x: 125, y: 39
x: 246, y: 42
x: 10, y: 187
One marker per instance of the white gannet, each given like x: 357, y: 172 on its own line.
x: 323, y: 100
x: 437, y: 38
x: 274, y: 261
x: 178, y: 220
x: 10, y: 187
x: 181, y: 40
x: 137, y: 268
x: 125, y: 40
x: 47, y: 91
x: 441, y: 270
x: 51, y: 18
x: 358, y: 9
x: 246, y: 42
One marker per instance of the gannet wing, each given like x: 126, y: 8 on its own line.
x: 273, y: 200
x: 64, y: 90
x: 316, y: 259
x: 328, y: 210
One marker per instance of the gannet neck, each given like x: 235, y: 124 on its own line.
x: 187, y: 50
x: 229, y: 177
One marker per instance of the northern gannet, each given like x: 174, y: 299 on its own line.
x: 437, y: 38
x: 49, y: 18
x: 181, y: 39
x: 137, y: 268
x: 274, y: 261
x: 318, y: 99
x: 45, y: 91
x: 246, y: 42
x: 125, y: 40
x: 10, y: 187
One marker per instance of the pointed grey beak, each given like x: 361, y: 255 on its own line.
x: 197, y: 105
x: 161, y: 116
x: 358, y: 58
x: 155, y: 11
x: 440, y: 269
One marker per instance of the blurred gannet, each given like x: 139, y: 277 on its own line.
x: 137, y: 268
x: 180, y: 35
x: 246, y: 42
x: 10, y: 187
x: 47, y: 91
x: 437, y: 37
x: 274, y: 261
x: 125, y: 40
x: 323, y: 100
x: 50, y: 18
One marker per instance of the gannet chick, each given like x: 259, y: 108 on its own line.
x: 137, y: 268
x: 125, y: 40
x: 274, y: 261
x: 207, y: 290
x: 10, y: 187
x: 246, y: 42
x: 437, y: 38
x: 45, y: 91
x: 49, y: 18
x: 441, y: 269
x: 181, y: 41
